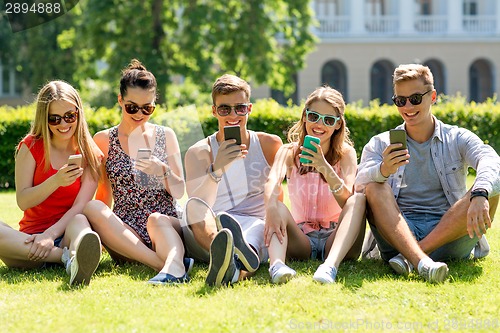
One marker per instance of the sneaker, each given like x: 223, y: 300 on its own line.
x: 166, y: 279
x: 370, y: 248
x: 222, y: 269
x: 281, y: 273
x: 246, y: 254
x: 83, y: 264
x: 400, y: 265
x: 482, y: 248
x: 325, y: 274
x: 432, y: 271
x: 188, y: 264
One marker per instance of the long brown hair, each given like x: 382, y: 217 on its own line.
x: 62, y: 91
x: 339, y: 137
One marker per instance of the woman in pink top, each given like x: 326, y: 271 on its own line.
x: 325, y: 219
x: 52, y: 190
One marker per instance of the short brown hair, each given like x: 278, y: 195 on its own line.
x: 227, y: 84
x: 413, y: 72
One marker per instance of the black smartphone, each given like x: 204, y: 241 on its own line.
x: 307, y: 144
x: 232, y: 132
x: 398, y: 136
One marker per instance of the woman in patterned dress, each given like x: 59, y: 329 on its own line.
x: 143, y: 225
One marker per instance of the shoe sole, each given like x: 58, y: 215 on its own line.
x: 221, y: 252
x: 188, y: 264
x: 88, y: 255
x: 321, y: 280
x: 284, y: 278
x: 439, y: 275
x: 399, y: 267
x: 245, y: 253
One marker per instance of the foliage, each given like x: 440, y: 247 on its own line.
x: 264, y: 41
x: 192, y: 123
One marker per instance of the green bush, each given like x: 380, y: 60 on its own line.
x: 192, y: 123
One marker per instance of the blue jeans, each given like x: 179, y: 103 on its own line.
x: 421, y: 225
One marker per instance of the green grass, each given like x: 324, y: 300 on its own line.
x: 367, y: 297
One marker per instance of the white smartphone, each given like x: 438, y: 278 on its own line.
x: 75, y: 160
x: 143, y: 154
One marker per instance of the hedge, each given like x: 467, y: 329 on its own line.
x: 194, y: 123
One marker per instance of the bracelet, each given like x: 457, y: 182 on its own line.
x: 340, y: 187
x: 212, y: 174
x: 479, y: 193
x: 166, y: 174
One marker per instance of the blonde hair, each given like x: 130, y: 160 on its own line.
x: 413, y: 72
x: 339, y: 137
x: 62, y: 91
x: 227, y: 84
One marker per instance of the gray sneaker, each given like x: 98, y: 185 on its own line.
x: 400, y: 265
x: 432, y: 271
x: 482, y: 248
x: 83, y: 264
x: 325, y: 274
x: 281, y: 273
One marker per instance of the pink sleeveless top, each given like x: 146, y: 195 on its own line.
x: 311, y: 200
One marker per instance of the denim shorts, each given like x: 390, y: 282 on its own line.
x: 318, y: 239
x: 421, y: 224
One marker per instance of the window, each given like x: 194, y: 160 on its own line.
x: 425, y: 7
x: 470, y: 7
x: 334, y: 74
x: 280, y: 97
x: 375, y: 7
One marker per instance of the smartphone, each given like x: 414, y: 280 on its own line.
x: 398, y: 136
x: 143, y: 153
x: 75, y: 160
x: 307, y: 144
x: 232, y: 132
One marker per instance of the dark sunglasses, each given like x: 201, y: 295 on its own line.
x: 414, y: 99
x: 240, y: 109
x: 69, y: 117
x: 146, y: 109
x: 314, y: 117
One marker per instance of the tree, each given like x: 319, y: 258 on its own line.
x: 264, y: 41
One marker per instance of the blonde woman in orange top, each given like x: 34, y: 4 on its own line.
x: 52, y: 192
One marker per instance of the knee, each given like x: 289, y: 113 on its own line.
x: 156, y: 220
x: 80, y: 220
x: 93, y: 210
x: 378, y: 192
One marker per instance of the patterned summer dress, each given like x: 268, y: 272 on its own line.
x: 136, y: 195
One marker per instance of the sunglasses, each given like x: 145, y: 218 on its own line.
x: 314, y: 117
x: 240, y: 109
x: 414, y: 99
x: 146, y: 109
x: 69, y: 117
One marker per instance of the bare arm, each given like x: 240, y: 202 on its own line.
x: 104, y: 191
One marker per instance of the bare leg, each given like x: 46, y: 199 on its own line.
x: 453, y: 224
x: 390, y: 222
x: 165, y: 235
x: 295, y: 243
x: 351, y: 228
x: 202, y: 222
x: 14, y: 251
x: 118, y: 236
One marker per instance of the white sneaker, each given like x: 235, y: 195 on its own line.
x: 83, y: 264
x: 281, y: 273
x: 432, y: 271
x: 325, y: 274
x: 400, y: 265
x: 482, y: 248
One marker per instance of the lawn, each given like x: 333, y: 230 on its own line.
x: 367, y: 297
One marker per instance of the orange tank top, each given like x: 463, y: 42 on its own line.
x: 39, y: 218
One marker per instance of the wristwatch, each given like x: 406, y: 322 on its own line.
x: 478, y: 193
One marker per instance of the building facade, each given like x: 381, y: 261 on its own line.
x: 362, y: 41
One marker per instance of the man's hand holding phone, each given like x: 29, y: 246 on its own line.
x: 396, y: 154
